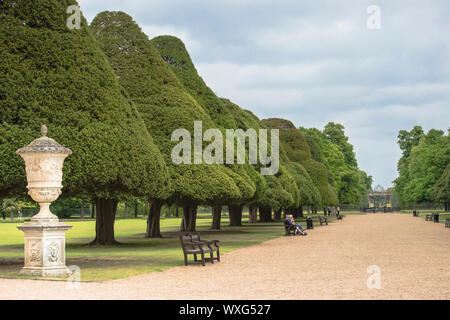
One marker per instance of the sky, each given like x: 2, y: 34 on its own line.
x: 312, y: 62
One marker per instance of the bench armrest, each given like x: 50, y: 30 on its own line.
x: 214, y: 242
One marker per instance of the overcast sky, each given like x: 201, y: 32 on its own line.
x: 317, y: 61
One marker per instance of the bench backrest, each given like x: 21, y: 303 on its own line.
x: 195, y: 236
x: 186, y: 242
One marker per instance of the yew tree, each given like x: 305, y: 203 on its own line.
x: 165, y: 105
x: 54, y: 75
x: 175, y: 54
x: 297, y: 151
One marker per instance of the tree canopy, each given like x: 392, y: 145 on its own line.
x: 331, y: 148
x: 267, y: 194
x: 174, y: 52
x: 441, y: 192
x: 59, y: 77
x: 422, y: 165
x: 164, y: 104
x: 115, y: 97
x: 297, y: 150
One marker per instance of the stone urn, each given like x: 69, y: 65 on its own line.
x: 45, y: 235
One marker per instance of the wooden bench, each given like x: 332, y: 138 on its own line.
x: 290, y: 229
x: 211, y: 244
x: 323, y: 220
x: 194, y: 248
x: 447, y: 223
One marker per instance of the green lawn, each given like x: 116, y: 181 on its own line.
x: 137, y: 255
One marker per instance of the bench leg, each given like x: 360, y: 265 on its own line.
x: 218, y: 255
x: 185, y: 260
x: 203, y: 259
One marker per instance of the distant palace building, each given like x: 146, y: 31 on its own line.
x: 379, y: 198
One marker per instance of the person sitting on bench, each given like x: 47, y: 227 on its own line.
x: 288, y: 225
x: 299, y: 229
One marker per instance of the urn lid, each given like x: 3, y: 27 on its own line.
x: 44, y: 144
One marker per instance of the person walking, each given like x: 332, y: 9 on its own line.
x: 19, y: 210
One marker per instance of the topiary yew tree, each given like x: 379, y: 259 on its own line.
x: 309, y: 194
x: 57, y: 76
x: 318, y: 173
x: 297, y: 150
x: 174, y: 52
x: 165, y: 106
x: 277, y: 192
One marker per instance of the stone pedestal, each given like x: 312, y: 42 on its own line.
x: 45, y: 245
x: 45, y: 236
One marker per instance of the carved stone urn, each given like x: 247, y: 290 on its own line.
x: 45, y: 235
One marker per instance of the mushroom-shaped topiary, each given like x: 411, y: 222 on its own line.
x: 165, y: 106
x: 174, y: 52
x: 58, y: 76
x: 297, y: 150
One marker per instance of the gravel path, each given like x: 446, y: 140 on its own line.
x: 330, y: 263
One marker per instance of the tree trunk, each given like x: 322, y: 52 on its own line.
x: 235, y: 211
x: 153, y: 219
x: 11, y: 214
x: 265, y: 214
x: 277, y: 215
x: 93, y: 210
x: 446, y: 206
x: 189, y: 218
x: 217, y: 216
x: 298, y: 212
x: 136, y: 209
x: 252, y: 214
x: 104, y: 223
